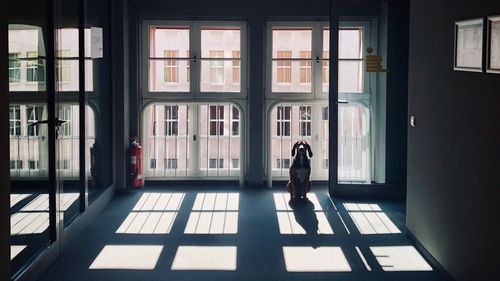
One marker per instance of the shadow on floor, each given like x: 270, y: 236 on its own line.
x: 234, y: 234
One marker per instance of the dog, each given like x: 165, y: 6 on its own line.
x: 300, y: 184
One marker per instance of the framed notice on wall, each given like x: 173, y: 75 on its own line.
x: 493, y: 63
x: 469, y: 45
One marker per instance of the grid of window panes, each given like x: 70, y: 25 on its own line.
x: 291, y: 60
x: 351, y: 60
x: 27, y: 140
x: 218, y: 67
x: 169, y: 63
x: 220, y: 59
x: 196, y: 140
x: 26, y: 64
x: 293, y: 71
x: 289, y: 124
x: 309, y: 122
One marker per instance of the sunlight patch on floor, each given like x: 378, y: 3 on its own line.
x: 205, y: 258
x: 16, y: 250
x: 159, y: 202
x: 369, y: 219
x: 214, y: 213
x: 321, y: 259
x: 400, y: 258
x: 290, y: 221
x: 147, y: 223
x: 132, y: 257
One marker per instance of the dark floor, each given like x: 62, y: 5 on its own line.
x: 253, y: 249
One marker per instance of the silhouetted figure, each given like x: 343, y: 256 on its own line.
x: 300, y: 171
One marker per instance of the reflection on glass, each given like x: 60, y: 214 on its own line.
x: 98, y: 97
x: 26, y: 58
x: 67, y: 70
x: 28, y: 141
x: 67, y: 87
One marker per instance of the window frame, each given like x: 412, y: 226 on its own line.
x: 16, y: 109
x: 369, y: 79
x: 368, y: 98
x: 196, y: 149
x: 15, y: 66
x: 194, y: 61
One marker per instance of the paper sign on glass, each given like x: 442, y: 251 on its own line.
x: 96, y: 40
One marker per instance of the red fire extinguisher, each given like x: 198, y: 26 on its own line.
x: 135, y: 154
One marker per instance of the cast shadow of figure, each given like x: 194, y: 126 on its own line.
x: 305, y: 216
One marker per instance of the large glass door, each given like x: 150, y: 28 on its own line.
x: 32, y: 225
x: 44, y: 125
x: 67, y: 108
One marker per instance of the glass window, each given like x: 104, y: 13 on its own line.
x: 236, y: 67
x: 351, y: 63
x: 220, y: 54
x: 35, y: 71
x: 216, y: 163
x: 283, y: 115
x: 283, y: 163
x: 284, y: 67
x: 235, y: 163
x: 171, y: 163
x: 212, y: 50
x: 305, y: 121
x: 216, y: 120
x: 235, y: 121
x: 204, y: 132
x: 66, y: 114
x: 15, y: 120
x: 34, y: 114
x: 171, y: 120
x: 63, y: 66
x: 169, y: 65
x: 305, y: 67
x: 291, y: 60
x: 216, y: 67
x: 14, y: 68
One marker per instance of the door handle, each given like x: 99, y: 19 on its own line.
x: 58, y: 122
x: 342, y: 102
